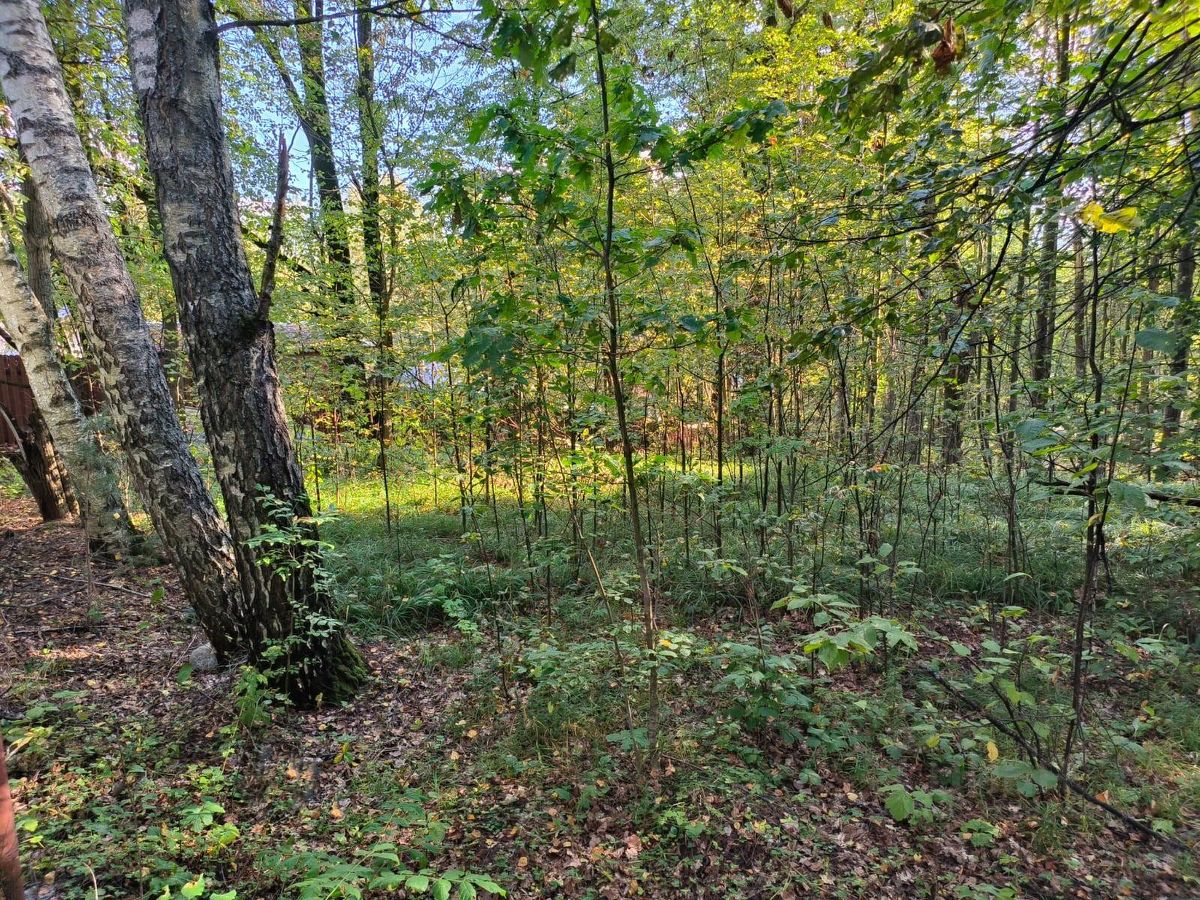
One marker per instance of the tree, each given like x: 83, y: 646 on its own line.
x: 92, y: 476
x: 155, y: 446
x: 310, y: 103
x: 231, y: 343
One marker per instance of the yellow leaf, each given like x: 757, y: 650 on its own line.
x: 1124, y: 219
x: 993, y: 751
x: 336, y: 811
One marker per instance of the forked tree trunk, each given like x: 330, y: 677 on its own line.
x: 156, y: 448
x: 230, y: 339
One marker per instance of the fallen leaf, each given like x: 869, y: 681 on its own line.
x: 633, y: 846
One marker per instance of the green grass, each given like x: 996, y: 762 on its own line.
x: 11, y: 485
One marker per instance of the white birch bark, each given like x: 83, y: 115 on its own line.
x: 157, y: 451
x: 93, y: 481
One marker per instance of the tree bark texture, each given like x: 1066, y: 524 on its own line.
x: 92, y: 476
x: 156, y: 448
x: 230, y: 340
x: 37, y: 463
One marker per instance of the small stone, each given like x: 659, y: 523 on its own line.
x: 203, y: 658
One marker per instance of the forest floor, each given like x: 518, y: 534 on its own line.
x: 136, y: 776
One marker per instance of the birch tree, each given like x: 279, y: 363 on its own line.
x: 92, y: 477
x: 155, y: 446
x: 230, y: 338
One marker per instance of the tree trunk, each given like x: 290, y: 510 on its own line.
x: 36, y: 462
x: 36, y: 237
x: 372, y: 232
x: 318, y: 129
x: 1183, y: 322
x: 157, y: 449
x: 231, y: 343
x: 1045, y: 318
x: 1080, y: 308
x: 93, y: 478
x: 311, y: 106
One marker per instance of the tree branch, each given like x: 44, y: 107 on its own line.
x: 275, y: 240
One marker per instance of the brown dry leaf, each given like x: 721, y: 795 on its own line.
x: 633, y: 846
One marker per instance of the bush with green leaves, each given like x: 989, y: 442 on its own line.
x: 768, y: 688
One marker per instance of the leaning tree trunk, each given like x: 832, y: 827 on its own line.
x: 92, y: 476
x: 37, y: 463
x: 36, y: 237
x: 156, y: 448
x: 230, y: 339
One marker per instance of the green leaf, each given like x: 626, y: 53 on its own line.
x: 1127, y: 494
x: 900, y: 803
x: 564, y: 68
x: 1013, y: 768
x: 1044, y: 778
x: 488, y: 885
x: 419, y: 883
x: 441, y: 889
x: 1157, y: 339
x: 1163, y: 826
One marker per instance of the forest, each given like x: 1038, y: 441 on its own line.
x: 599, y: 449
